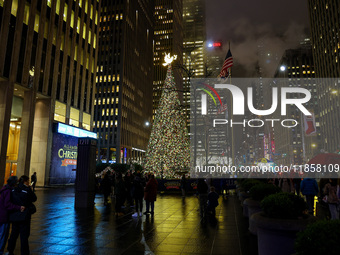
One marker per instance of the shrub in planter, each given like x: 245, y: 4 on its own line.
x: 322, y: 237
x: 257, y: 193
x: 284, y: 206
x: 283, y: 216
x: 249, y: 183
x: 262, y: 190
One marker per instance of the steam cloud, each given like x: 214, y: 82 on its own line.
x: 260, y: 45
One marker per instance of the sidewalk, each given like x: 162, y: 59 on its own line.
x: 175, y: 228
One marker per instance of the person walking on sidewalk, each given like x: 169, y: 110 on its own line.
x: 6, y: 206
x: 21, y: 221
x: 309, y: 188
x: 138, y: 185
x: 106, y: 187
x: 202, y: 189
x: 150, y: 194
x: 34, y: 180
x: 212, y: 201
x: 183, y: 185
x: 120, y: 193
x: 330, y: 190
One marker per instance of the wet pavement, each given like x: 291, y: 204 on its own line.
x: 175, y: 228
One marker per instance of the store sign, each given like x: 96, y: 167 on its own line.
x: 64, y: 159
x: 73, y: 131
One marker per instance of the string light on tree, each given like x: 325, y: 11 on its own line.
x: 168, y: 149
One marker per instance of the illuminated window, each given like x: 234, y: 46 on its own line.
x: 14, y: 7
x: 74, y: 117
x: 65, y: 13
x: 36, y: 23
x: 86, y: 121
x: 26, y: 13
x: 58, y: 7
x: 60, y: 112
x: 72, y: 19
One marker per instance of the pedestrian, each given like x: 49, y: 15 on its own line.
x: 330, y: 191
x: 286, y: 185
x: 6, y: 206
x: 128, y: 184
x: 212, y: 201
x: 150, y: 194
x: 21, y: 221
x: 309, y: 188
x: 106, y: 187
x: 34, y: 180
x: 120, y: 193
x: 297, y: 185
x: 138, y: 185
x: 183, y: 185
x: 202, y: 189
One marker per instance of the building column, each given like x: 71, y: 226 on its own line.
x: 26, y: 134
x: 41, y: 142
x: 6, y: 99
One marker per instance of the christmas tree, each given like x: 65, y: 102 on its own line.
x: 168, y: 149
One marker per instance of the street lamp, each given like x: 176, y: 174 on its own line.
x: 334, y: 91
x: 282, y: 68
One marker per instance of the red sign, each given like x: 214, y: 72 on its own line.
x: 217, y: 44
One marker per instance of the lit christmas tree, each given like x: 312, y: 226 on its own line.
x: 168, y: 149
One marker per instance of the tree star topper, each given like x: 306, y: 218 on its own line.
x: 168, y: 60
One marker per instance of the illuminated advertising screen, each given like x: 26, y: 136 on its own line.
x: 64, y: 159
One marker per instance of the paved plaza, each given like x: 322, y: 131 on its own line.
x: 57, y: 228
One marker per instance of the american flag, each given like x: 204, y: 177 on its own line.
x: 228, y: 62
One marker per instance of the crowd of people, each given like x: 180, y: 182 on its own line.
x: 16, y: 208
x: 327, y: 190
x: 130, y: 190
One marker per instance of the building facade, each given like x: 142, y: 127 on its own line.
x: 47, y: 72
x: 325, y: 27
x: 124, y: 80
x: 168, y: 38
x: 297, y: 145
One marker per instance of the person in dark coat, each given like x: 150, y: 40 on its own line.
x: 138, y: 185
x: 202, y: 189
x: 6, y: 206
x: 106, y: 187
x: 150, y: 194
x: 309, y: 188
x: 212, y: 201
x: 21, y: 221
x: 183, y: 185
x: 120, y: 193
x: 34, y: 180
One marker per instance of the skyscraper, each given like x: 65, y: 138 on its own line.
x: 124, y: 80
x: 47, y: 72
x: 325, y: 27
x: 194, y: 35
x: 168, y: 38
x: 295, y: 145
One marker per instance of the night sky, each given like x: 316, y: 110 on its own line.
x: 276, y: 25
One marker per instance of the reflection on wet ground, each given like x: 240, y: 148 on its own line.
x: 57, y: 228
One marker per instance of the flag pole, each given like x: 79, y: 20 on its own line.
x: 231, y: 117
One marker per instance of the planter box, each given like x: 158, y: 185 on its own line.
x: 253, y: 207
x: 243, y: 196
x: 277, y: 236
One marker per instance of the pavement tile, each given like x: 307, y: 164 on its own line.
x: 174, y: 229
